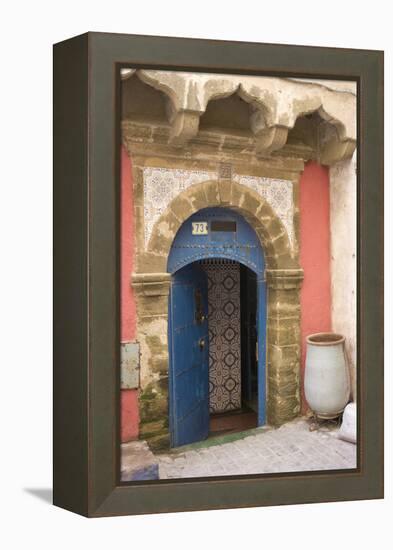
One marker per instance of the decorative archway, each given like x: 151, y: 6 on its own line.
x: 209, y: 265
x: 257, y: 211
x: 152, y: 283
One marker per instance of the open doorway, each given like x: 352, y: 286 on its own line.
x: 214, y: 387
x: 217, y: 322
x: 233, y: 377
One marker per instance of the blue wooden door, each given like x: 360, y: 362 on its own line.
x: 189, y: 340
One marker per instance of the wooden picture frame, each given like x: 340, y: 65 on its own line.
x: 86, y: 273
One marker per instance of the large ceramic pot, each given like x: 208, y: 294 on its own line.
x: 326, y: 381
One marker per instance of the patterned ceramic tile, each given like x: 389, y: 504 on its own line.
x: 224, y: 335
x: 278, y: 193
x: 162, y: 185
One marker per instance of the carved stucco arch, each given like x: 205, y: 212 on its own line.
x: 253, y: 207
x: 284, y: 279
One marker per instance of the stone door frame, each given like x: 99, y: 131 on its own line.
x: 283, y: 276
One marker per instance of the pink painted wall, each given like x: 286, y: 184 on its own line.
x: 314, y: 255
x: 129, y: 398
x: 129, y: 417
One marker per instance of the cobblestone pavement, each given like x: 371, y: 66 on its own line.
x: 290, y: 448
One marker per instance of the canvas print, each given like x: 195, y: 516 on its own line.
x: 238, y: 275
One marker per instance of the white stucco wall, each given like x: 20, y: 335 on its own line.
x: 343, y: 256
x: 337, y: 85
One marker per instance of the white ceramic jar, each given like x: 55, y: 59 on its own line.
x: 326, y: 382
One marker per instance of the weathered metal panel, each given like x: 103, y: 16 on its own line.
x: 129, y: 365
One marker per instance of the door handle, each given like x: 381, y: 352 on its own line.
x: 201, y: 343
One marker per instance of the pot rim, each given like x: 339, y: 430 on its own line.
x: 325, y: 339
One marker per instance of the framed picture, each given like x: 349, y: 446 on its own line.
x: 218, y: 261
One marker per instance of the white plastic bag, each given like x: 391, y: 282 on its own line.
x: 348, y: 426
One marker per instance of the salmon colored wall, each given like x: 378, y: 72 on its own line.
x: 129, y: 418
x: 315, y: 297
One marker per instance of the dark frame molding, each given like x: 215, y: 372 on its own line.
x: 86, y: 273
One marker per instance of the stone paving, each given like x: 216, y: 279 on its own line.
x: 290, y: 448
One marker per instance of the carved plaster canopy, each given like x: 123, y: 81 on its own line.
x: 280, y: 111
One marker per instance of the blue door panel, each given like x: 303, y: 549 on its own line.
x: 242, y: 245
x: 189, y: 414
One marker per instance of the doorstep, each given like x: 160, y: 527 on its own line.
x: 213, y: 440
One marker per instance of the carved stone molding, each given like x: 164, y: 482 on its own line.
x: 184, y: 127
x: 336, y: 151
x: 151, y: 284
x: 270, y: 139
x: 276, y: 104
x: 284, y: 279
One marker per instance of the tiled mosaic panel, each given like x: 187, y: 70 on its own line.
x: 224, y: 335
x: 279, y: 195
x: 162, y: 185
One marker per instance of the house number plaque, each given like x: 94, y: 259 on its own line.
x: 199, y: 228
